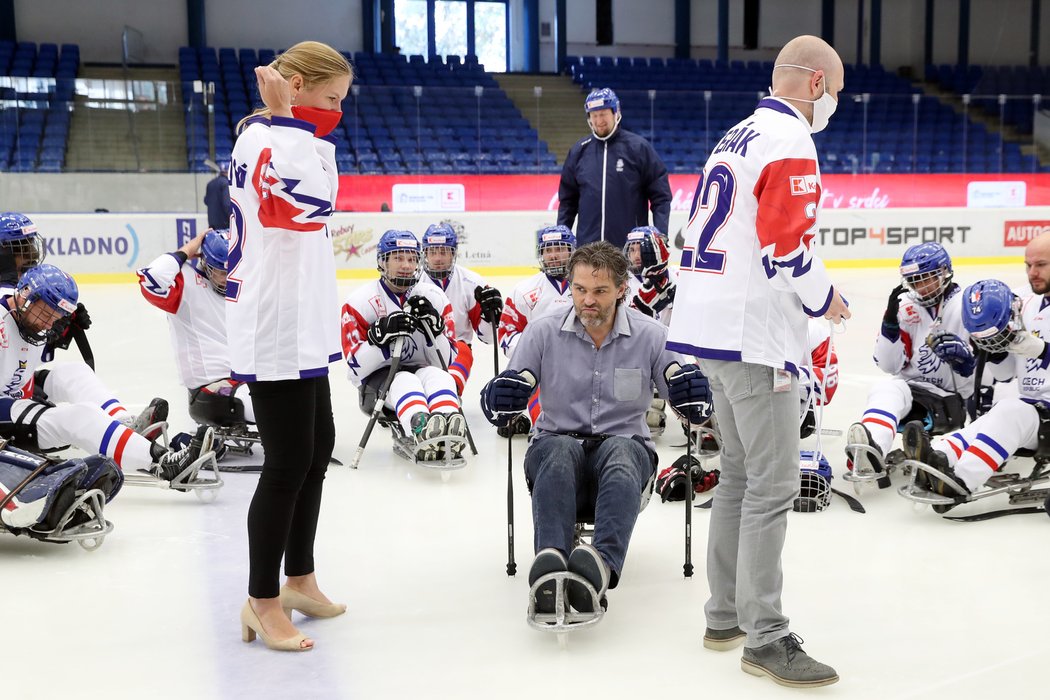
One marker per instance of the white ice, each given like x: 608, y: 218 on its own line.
x: 901, y: 602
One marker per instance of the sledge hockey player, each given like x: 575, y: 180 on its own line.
x: 476, y: 306
x: 22, y: 248
x: 1011, y: 330
x: 532, y: 297
x: 43, y: 295
x: 591, y: 451
x: 422, y: 393
x: 190, y: 286
x: 651, y: 290
x: 926, y: 350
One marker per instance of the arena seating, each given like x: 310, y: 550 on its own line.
x: 985, y: 84
x: 895, y: 128
x: 404, y: 114
x: 36, y: 99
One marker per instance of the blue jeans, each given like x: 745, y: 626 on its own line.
x: 607, y: 479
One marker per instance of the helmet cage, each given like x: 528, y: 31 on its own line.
x: 814, y: 483
x: 399, y: 282
x: 913, y: 282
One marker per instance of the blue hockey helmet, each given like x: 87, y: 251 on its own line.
x: 601, y: 98
x: 991, y: 314
x: 554, y: 245
x: 814, y: 493
x: 926, y: 271
x: 651, y: 246
x: 393, y: 242
x: 441, y: 241
x: 57, y: 293
x: 214, y: 251
x: 21, y: 247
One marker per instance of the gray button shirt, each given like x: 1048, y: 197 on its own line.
x: 589, y: 390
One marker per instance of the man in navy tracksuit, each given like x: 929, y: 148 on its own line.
x: 612, y: 178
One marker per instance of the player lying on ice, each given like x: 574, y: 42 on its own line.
x: 396, y: 307
x: 41, y: 297
x: 590, y: 453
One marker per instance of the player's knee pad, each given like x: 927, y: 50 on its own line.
x: 218, y: 410
x: 21, y: 431
x: 939, y: 414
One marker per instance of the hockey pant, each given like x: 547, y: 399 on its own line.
x: 427, y: 389
x: 37, y: 425
x: 75, y: 382
x: 980, y: 449
x: 895, y: 401
x: 218, y: 404
x: 46, y: 497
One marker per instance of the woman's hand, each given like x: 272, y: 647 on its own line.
x: 275, y: 91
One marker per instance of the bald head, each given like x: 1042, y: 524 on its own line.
x: 1037, y: 263
x: 810, y: 52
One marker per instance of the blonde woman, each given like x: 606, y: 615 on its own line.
x: 282, y: 315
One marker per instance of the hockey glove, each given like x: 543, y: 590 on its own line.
x: 426, y: 316
x: 953, y: 350
x: 689, y: 392
x: 891, y: 327
x: 651, y: 301
x: 672, y: 482
x: 506, y: 395
x: 385, y: 329
x: 63, y: 329
x: 655, y: 271
x: 490, y: 301
x: 1026, y: 345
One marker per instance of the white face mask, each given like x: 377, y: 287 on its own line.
x: 823, y: 107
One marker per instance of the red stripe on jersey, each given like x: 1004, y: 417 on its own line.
x: 876, y: 421
x: 115, y: 410
x: 956, y: 449
x: 510, y: 322
x: 450, y: 324
x: 172, y: 297
x: 274, y: 210
x: 788, y: 195
x: 354, y: 330
x: 906, y: 339
x: 983, y: 456
x: 118, y: 453
x: 415, y: 402
x: 474, y: 316
x: 447, y: 403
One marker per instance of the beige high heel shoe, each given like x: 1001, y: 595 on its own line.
x: 251, y: 626
x: 292, y: 599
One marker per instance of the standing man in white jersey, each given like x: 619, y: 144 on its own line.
x: 748, y: 282
x: 476, y: 306
x: 1012, y: 330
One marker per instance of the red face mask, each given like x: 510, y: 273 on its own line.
x: 324, y: 120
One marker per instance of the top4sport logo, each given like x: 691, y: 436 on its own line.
x: 123, y: 245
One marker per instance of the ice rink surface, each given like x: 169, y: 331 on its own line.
x: 901, y: 602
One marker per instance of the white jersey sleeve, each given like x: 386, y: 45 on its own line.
x: 528, y: 300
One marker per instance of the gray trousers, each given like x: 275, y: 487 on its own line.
x: 759, y: 481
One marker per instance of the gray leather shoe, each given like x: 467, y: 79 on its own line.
x: 784, y: 661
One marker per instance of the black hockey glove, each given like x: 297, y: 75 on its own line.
x: 490, y: 301
x: 62, y: 330
x: 953, y: 350
x: 891, y: 327
x: 385, y: 329
x: 426, y: 316
x: 980, y: 402
x: 506, y: 395
x: 689, y: 392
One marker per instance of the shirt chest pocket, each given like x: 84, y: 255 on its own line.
x: 627, y: 384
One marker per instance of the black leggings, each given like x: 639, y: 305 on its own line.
x: 295, y: 423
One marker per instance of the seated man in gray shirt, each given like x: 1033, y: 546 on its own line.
x: 591, y: 451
